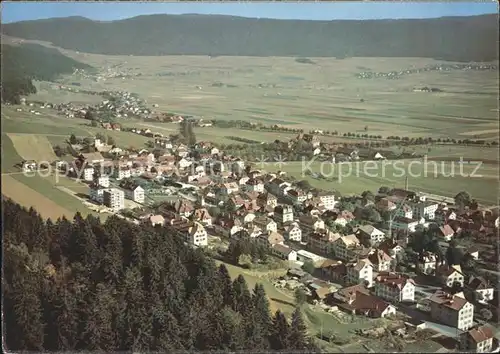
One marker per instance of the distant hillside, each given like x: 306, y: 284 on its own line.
x: 449, y: 38
x: 36, y: 62
x: 23, y: 63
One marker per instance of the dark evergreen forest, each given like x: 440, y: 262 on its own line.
x: 86, y: 285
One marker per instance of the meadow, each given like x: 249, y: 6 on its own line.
x: 323, y: 95
x: 441, y: 178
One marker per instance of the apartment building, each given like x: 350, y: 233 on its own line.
x: 122, y: 173
x: 322, y: 241
x: 394, y: 287
x: 88, y: 174
x: 360, y: 272
x: 426, y: 210
x: 452, y: 310
x: 96, y: 193
x: 405, y: 211
x: 102, y: 181
x: 327, y: 199
x: 114, y: 198
x: 344, y: 247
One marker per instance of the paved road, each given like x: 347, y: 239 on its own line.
x: 12, y: 173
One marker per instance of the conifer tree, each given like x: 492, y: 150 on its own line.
x: 280, y: 333
x: 243, y: 298
x: 298, y: 339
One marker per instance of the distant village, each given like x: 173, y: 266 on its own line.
x: 393, y: 75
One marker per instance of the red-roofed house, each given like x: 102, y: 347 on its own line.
x: 446, y: 232
x: 394, y: 287
x: 452, y: 310
x: 480, y: 340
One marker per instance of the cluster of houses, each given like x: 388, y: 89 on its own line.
x: 436, y: 67
x: 296, y: 225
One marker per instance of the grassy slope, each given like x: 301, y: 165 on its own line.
x: 10, y: 157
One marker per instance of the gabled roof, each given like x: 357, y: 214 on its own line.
x: 481, y: 334
x: 478, y: 283
x: 366, y: 302
x: 450, y: 301
x: 369, y: 229
x: 393, y: 280
x: 379, y: 256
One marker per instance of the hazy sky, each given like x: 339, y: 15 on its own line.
x: 19, y: 11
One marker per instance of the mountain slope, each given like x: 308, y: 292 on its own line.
x: 36, y: 62
x: 451, y: 38
x: 23, y: 63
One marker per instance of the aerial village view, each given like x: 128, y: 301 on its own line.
x: 250, y: 177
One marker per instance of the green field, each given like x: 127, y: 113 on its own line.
x: 325, y: 95
x: 442, y: 178
x: 10, y: 157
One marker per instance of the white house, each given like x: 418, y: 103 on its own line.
x: 405, y: 211
x: 452, y: 310
x: 135, y: 193
x: 266, y: 224
x: 394, y: 287
x: 482, y: 289
x: 405, y: 224
x: 253, y: 185
x: 427, y: 263
x: 184, y: 163
x: 371, y: 234
x: 449, y: 275
x: 284, y: 252
x: 380, y: 260
x: 197, y: 235
x: 360, y: 272
x: 293, y: 232
x: 480, y: 340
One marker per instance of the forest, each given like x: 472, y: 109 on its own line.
x: 83, y: 284
x: 23, y: 63
x: 468, y: 38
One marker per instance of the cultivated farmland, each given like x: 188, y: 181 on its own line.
x: 33, y: 147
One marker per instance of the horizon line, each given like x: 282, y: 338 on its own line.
x: 250, y: 18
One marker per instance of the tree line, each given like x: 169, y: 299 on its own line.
x: 83, y: 284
